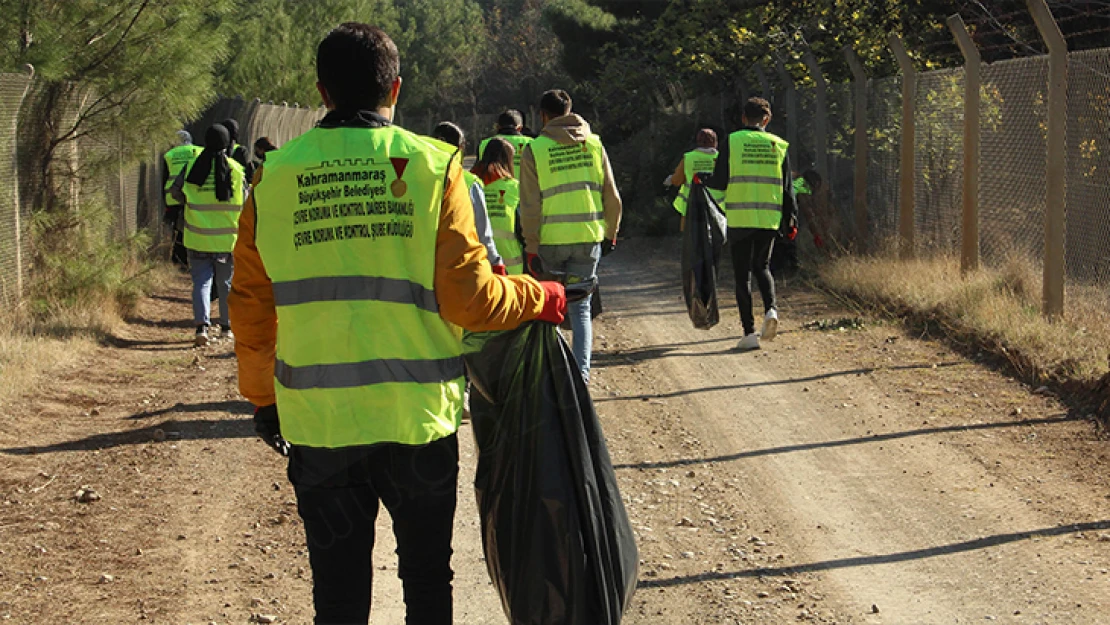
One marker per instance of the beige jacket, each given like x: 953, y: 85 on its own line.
x: 566, y: 129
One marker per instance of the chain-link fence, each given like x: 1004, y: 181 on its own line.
x: 91, y: 171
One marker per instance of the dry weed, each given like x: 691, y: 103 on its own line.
x: 997, y: 308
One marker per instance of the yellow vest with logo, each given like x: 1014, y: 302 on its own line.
x: 347, y: 224
x: 570, y: 179
x: 755, y: 184
x: 212, y: 225
x: 694, y: 162
x: 177, y: 158
x: 502, y: 198
x: 519, y: 142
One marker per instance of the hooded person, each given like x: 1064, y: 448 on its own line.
x: 569, y: 205
x: 211, y: 188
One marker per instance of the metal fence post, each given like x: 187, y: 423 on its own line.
x: 859, y: 191
x: 969, y: 248
x: 1055, y: 176
x: 764, y: 84
x: 790, y: 94
x: 907, y: 165
x: 821, y: 114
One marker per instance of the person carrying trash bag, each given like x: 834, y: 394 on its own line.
x: 348, y: 320
x: 701, y: 159
x: 702, y: 241
x: 558, y: 543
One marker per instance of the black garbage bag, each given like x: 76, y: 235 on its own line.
x: 557, y: 540
x: 702, y: 242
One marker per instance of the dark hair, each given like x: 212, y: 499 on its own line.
x: 812, y: 178
x: 756, y: 109
x: 264, y: 144
x: 707, y: 138
x: 357, y: 64
x: 556, y: 103
x: 449, y: 132
x: 510, y: 119
x: 495, y: 162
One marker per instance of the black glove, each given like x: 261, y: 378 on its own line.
x: 608, y: 246
x: 169, y: 217
x: 268, y: 428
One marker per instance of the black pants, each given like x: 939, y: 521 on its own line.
x: 338, y: 495
x: 751, y: 253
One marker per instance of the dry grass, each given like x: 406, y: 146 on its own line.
x: 997, y: 309
x: 60, y: 323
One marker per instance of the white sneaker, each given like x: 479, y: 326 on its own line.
x: 201, y: 339
x: 770, y: 325
x: 749, y: 343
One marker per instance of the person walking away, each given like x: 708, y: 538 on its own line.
x: 211, y: 188
x: 494, y: 169
x: 176, y: 158
x: 237, y: 151
x: 261, y: 147
x: 348, y: 340
x: 452, y: 135
x: 510, y: 127
x: 569, y: 204
x: 754, y: 172
x: 701, y: 159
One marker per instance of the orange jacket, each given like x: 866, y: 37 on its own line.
x: 469, y: 294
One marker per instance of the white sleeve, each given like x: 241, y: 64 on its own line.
x: 481, y: 224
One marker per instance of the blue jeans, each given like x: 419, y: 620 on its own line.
x: 204, y: 266
x: 579, y: 260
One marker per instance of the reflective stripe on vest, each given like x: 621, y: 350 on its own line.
x: 695, y: 162
x: 502, y: 198
x: 570, y: 179
x: 177, y: 158
x: 363, y: 356
x: 755, y: 187
x: 519, y: 142
x: 212, y: 225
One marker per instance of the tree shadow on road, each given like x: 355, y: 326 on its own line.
x: 174, y: 430
x: 890, y: 558
x: 230, y: 407
x: 710, y: 389
x: 874, y: 438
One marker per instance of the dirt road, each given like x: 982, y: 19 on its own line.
x: 842, y: 475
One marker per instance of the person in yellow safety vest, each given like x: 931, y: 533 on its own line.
x: 356, y: 266
x: 494, y: 169
x: 510, y: 127
x: 235, y: 151
x: 701, y: 159
x: 176, y: 158
x: 211, y: 187
x: 453, y: 136
x: 754, y: 172
x: 569, y: 205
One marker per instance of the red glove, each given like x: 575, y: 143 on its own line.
x: 531, y: 265
x: 818, y: 241
x: 792, y: 233
x: 554, y: 302
x: 500, y: 270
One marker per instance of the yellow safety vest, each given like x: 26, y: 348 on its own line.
x: 694, y: 162
x: 570, y: 180
x: 754, y: 195
x: 176, y: 158
x: 212, y: 225
x: 519, y: 142
x: 502, y: 198
x: 347, y: 225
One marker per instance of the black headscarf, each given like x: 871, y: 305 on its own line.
x: 213, y: 160
x: 232, y: 131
